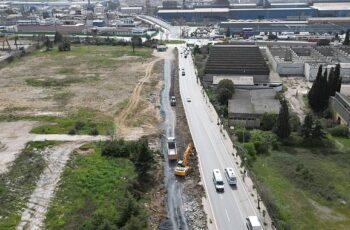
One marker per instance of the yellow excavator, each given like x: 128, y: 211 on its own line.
x: 182, y: 168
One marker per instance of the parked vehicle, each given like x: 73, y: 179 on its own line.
x: 173, y: 101
x: 182, y: 168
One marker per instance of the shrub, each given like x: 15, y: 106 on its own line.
x: 94, y: 132
x: 250, y: 149
x: 79, y: 125
x: 243, y: 135
x: 268, y: 121
x: 294, y: 122
x: 249, y: 153
x: 263, y: 140
x: 261, y: 147
x: 340, y: 131
x: 72, y: 131
x: 116, y: 148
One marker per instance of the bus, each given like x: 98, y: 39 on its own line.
x: 247, y: 32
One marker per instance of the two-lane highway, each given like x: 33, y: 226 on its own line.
x: 231, y: 207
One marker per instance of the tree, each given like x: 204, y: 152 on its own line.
x: 228, y: 84
x: 282, y: 128
x: 306, y: 128
x: 317, y: 131
x: 318, y: 94
x: 228, y: 32
x: 225, y: 90
x: 142, y: 159
x: 268, y: 121
x: 135, y: 41
x: 58, y: 38
x: 48, y: 44
x: 338, y: 79
x: 136, y: 223
x: 64, y: 45
x: 196, y: 50
x: 128, y: 208
x: 346, y: 40
x: 331, y: 82
x: 223, y: 95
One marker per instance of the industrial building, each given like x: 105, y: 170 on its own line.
x: 340, y: 105
x: 285, y: 11
x: 312, y: 25
x: 247, y: 106
x: 298, y: 60
x: 242, y: 64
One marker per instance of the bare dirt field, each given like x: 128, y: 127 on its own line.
x: 297, y: 88
x: 96, y: 77
x: 13, y: 138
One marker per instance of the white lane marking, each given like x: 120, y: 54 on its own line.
x: 227, y: 215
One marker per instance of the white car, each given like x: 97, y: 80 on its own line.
x: 188, y: 99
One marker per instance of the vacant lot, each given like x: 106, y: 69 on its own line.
x: 94, y: 79
x: 310, y: 187
x: 89, y: 90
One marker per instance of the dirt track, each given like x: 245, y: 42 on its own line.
x: 34, y: 214
x: 124, y: 129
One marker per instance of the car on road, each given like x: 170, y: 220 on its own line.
x: 218, y: 181
x: 183, y: 73
x: 188, y: 99
x: 253, y: 223
x: 173, y: 101
x: 230, y: 176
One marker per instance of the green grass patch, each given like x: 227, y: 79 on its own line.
x: 17, y: 184
x: 83, y: 121
x: 91, y: 185
x: 308, y: 186
x: 94, y: 51
x: 58, y: 82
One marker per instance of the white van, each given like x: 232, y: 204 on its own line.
x: 218, y: 181
x: 253, y: 223
x: 230, y: 176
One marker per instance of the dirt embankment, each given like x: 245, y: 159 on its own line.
x: 194, y: 191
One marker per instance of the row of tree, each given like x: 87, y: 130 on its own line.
x: 325, y: 86
x: 346, y: 40
x: 311, y: 129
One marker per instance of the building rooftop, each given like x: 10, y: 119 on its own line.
x: 196, y: 10
x: 254, y: 102
x: 332, y: 6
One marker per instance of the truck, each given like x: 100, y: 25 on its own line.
x: 182, y: 168
x: 172, y: 151
x: 173, y: 101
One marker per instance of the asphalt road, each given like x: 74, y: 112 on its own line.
x: 231, y: 207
